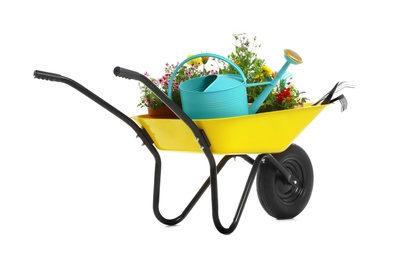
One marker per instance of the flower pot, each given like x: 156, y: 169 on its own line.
x: 161, y: 112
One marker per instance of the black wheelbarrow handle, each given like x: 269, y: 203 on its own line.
x: 59, y: 78
x: 48, y: 76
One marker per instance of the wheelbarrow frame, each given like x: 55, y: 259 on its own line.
x: 201, y: 140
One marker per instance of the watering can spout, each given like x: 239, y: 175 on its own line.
x: 292, y: 58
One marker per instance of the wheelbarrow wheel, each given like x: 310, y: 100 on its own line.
x: 279, y: 198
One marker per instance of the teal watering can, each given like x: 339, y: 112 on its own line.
x: 224, y: 95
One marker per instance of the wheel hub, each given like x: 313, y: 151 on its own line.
x: 285, y: 191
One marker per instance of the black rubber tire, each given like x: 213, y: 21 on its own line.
x: 279, y: 198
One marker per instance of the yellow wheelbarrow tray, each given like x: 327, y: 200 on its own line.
x: 267, y: 132
x: 283, y: 170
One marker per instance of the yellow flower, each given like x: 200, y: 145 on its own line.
x: 205, y: 60
x: 267, y: 70
x: 194, y: 62
x: 259, y: 77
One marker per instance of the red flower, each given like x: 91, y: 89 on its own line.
x: 284, y: 95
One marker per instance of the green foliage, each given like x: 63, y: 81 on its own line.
x: 245, y: 55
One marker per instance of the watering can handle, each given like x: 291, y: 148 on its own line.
x: 237, y: 68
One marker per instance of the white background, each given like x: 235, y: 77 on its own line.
x: 75, y: 183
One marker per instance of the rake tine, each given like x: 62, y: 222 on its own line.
x: 344, y: 84
x: 343, y: 100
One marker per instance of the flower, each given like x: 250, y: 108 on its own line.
x: 194, y: 62
x: 267, y: 71
x: 205, y: 60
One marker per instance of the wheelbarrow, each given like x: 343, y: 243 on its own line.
x: 283, y: 169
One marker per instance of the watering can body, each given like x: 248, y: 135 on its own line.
x: 214, y: 96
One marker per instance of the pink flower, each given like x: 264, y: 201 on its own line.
x: 147, y: 101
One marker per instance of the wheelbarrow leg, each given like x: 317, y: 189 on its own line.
x: 201, y: 191
x: 214, y: 191
x: 156, y: 198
